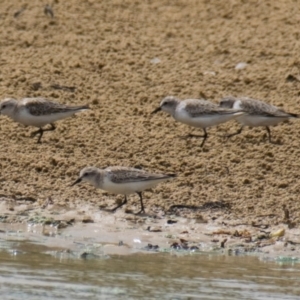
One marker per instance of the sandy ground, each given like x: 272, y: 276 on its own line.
x: 122, y: 58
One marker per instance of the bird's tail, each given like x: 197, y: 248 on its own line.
x: 171, y: 175
x: 238, y: 112
x: 81, y: 107
x: 294, y: 115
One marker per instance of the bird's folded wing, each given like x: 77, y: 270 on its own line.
x: 132, y: 175
x: 206, y: 108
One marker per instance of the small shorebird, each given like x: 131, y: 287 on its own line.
x: 197, y: 113
x: 122, y: 180
x: 37, y: 112
x: 257, y: 113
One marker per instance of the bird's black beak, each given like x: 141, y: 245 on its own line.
x: 77, y: 181
x: 156, y: 110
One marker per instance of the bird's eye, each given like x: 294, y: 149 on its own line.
x: 3, y: 106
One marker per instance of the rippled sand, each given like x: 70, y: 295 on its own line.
x: 122, y: 58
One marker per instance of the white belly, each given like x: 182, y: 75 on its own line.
x: 39, y: 121
x: 254, y: 121
x: 130, y: 187
x: 203, y: 121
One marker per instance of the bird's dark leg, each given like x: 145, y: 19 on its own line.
x: 236, y: 133
x: 204, y: 136
x: 51, y: 128
x: 269, y: 134
x: 142, y: 205
x: 120, y: 205
x: 41, y: 131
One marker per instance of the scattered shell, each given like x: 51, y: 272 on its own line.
x: 155, y: 60
x: 210, y: 73
x: 241, y: 66
x: 278, y: 233
x: 154, y: 229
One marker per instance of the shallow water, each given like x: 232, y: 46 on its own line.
x: 28, y: 271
